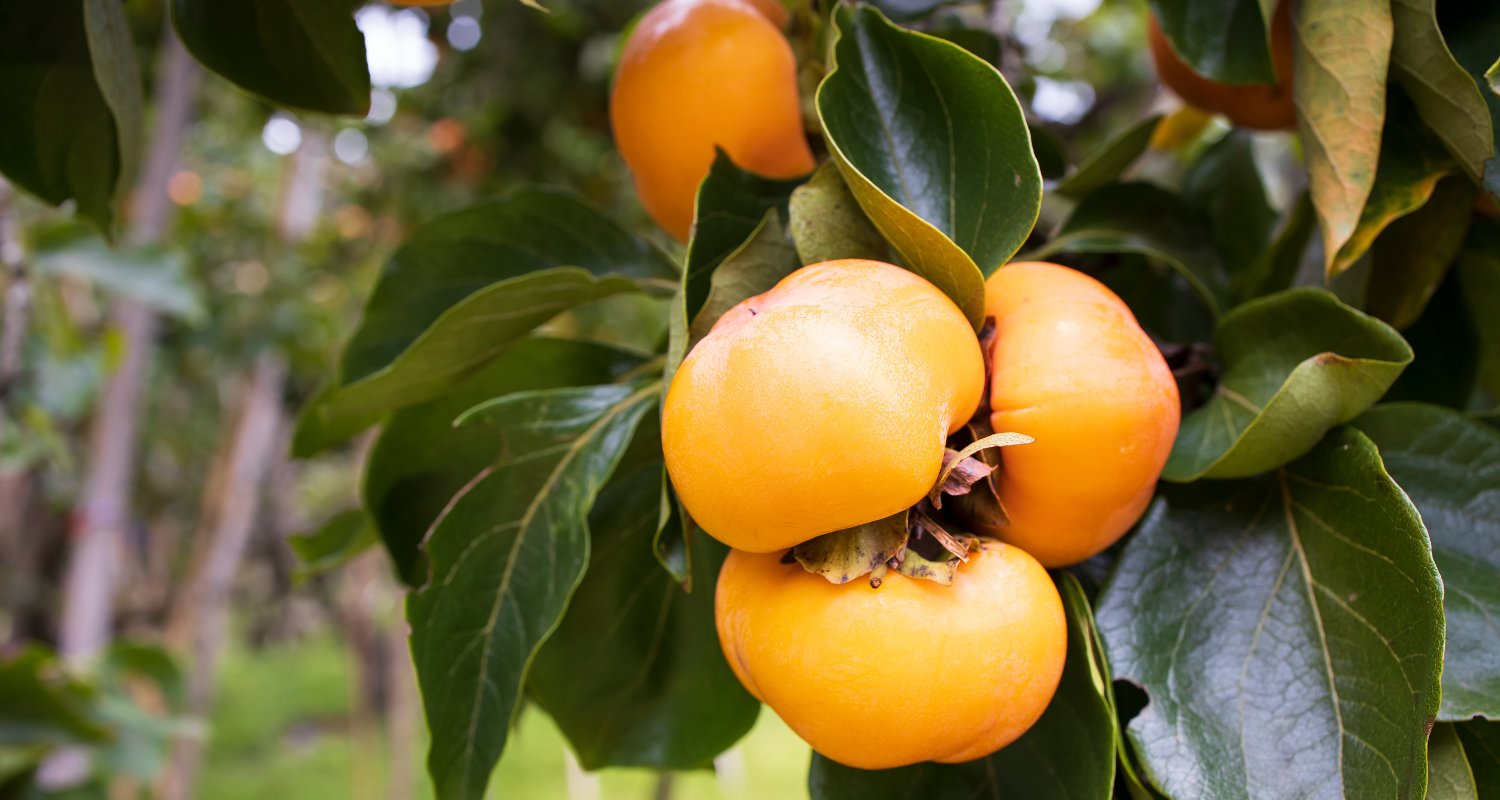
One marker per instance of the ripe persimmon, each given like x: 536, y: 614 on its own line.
x: 700, y: 73
x: 912, y: 671
x: 820, y: 405
x: 1073, y: 369
x: 1258, y: 106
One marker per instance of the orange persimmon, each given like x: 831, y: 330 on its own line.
x: 1253, y: 105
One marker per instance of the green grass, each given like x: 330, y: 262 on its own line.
x: 280, y: 732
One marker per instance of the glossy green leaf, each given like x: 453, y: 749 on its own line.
x: 1413, y: 254
x: 1225, y: 41
x: 341, y: 538
x: 1445, y: 350
x: 827, y: 222
x: 673, y: 541
x: 1446, y: 96
x: 40, y: 704
x: 933, y: 144
x: 1471, y: 30
x: 1342, y: 52
x: 1450, y: 468
x: 70, y: 103
x: 1296, y: 364
x: 1276, y: 267
x: 1109, y: 162
x: 1069, y: 754
x: 634, y: 675
x: 1478, y: 271
x: 756, y: 267
x: 1412, y: 161
x: 1225, y: 186
x: 421, y: 460
x: 1146, y: 219
x: 301, y: 53
x: 1481, y: 740
x: 1288, y: 630
x: 506, y: 556
x: 1448, y: 774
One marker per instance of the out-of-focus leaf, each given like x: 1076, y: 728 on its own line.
x: 1481, y: 740
x: 335, y: 542
x: 1471, y: 30
x: 827, y: 222
x: 1050, y: 156
x: 1287, y: 629
x: 1224, y: 40
x: 933, y: 144
x: 1446, y: 352
x: 1146, y: 219
x: 1448, y: 773
x: 70, y: 106
x: 1412, y: 161
x: 421, y: 460
x: 1478, y: 271
x: 1446, y: 96
x: 1297, y: 363
x: 1225, y: 186
x: 982, y: 43
x: 1342, y: 52
x: 314, y: 434
x: 41, y: 704
x: 506, y: 556
x: 300, y: 53
x: 127, y: 658
x: 1450, y: 468
x: 1109, y: 162
x: 909, y: 9
x: 155, y: 277
x: 757, y: 266
x: 1413, y: 254
x: 673, y: 542
x: 634, y: 675
x: 1069, y: 754
x: 1162, y: 301
x: 1276, y: 266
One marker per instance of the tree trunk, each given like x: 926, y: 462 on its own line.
x: 200, y: 614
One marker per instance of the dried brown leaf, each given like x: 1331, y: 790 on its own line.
x: 949, y: 466
x: 923, y: 523
x: 913, y: 565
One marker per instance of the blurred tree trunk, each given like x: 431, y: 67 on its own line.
x: 104, y: 507
x: 199, y: 620
x: 18, y: 557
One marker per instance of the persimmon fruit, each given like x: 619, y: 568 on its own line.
x: 699, y: 73
x: 1073, y: 369
x: 1257, y: 106
x: 912, y: 671
x: 823, y: 404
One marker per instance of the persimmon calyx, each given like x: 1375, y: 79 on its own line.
x: 961, y: 470
x: 844, y: 555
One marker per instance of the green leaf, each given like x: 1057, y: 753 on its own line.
x: 933, y: 144
x: 1105, y: 165
x: 1288, y: 630
x: 1224, y: 41
x: 506, y: 555
x: 1342, y: 51
x: 1450, y: 468
x: 334, y: 543
x: 1276, y: 266
x: 634, y: 674
x: 1050, y: 156
x: 70, y: 103
x: 827, y: 222
x: 909, y: 9
x: 984, y: 45
x: 1069, y: 754
x: 1448, y: 773
x: 1478, y: 271
x: 41, y: 704
x: 1481, y: 742
x: 421, y: 460
x: 313, y: 434
x: 1296, y: 364
x: 1471, y: 31
x: 1446, y: 350
x: 300, y: 53
x: 1446, y: 96
x: 1162, y: 301
x: 1412, y: 161
x: 153, y: 276
x: 757, y: 266
x: 1414, y: 253
x: 1226, y: 187
x: 673, y: 541
x: 1146, y: 219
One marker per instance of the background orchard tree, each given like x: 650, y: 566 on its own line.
x: 310, y: 307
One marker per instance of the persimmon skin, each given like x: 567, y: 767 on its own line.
x: 700, y: 73
x: 912, y: 671
x: 1073, y: 369
x: 820, y: 405
x: 1257, y: 106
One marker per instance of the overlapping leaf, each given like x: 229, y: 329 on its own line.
x: 1225, y: 186
x: 1111, y: 160
x: 1445, y: 95
x: 300, y: 53
x: 1481, y: 741
x: 1287, y: 630
x: 335, y: 542
x: 1413, y: 254
x: 1478, y: 270
x: 754, y: 268
x: 1296, y: 364
x: 506, y: 555
x: 1471, y: 31
x: 1445, y: 352
x: 40, y: 704
x: 71, y: 108
x: 1276, y: 266
x: 1448, y: 774
x: 421, y: 460
x: 1069, y: 754
x: 933, y: 144
x: 827, y: 222
x: 1450, y: 468
x: 1224, y: 41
